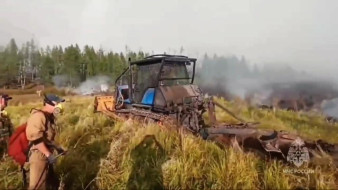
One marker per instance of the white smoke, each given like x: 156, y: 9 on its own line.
x: 93, y: 85
x: 330, y: 107
x: 233, y: 77
x: 60, y: 80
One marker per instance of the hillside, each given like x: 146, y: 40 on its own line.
x: 104, y: 154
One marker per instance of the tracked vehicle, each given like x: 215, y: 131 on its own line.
x: 160, y: 89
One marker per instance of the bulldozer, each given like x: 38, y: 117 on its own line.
x: 160, y: 88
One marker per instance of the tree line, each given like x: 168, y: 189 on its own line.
x: 29, y: 63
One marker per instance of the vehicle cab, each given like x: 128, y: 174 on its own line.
x: 158, y: 81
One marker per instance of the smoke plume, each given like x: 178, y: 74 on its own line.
x: 233, y: 77
x: 60, y: 81
x: 93, y: 85
x: 330, y: 107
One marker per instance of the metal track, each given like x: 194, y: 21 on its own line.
x: 147, y: 114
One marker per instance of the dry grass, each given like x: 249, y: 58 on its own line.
x: 32, y: 90
x: 104, y: 154
x: 29, y: 95
x: 148, y: 157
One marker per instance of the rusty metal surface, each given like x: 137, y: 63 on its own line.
x: 176, y: 94
x: 274, y: 144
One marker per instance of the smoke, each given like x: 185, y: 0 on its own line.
x: 92, y: 85
x: 234, y: 77
x: 60, y: 80
x: 330, y: 107
x: 228, y: 76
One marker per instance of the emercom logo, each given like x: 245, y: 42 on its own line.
x: 298, y: 153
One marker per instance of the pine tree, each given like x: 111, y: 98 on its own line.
x: 72, y: 64
x: 11, y: 63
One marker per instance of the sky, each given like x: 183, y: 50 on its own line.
x: 300, y: 33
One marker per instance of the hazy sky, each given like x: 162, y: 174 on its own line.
x: 299, y: 33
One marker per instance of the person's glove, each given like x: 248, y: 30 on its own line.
x: 51, y: 159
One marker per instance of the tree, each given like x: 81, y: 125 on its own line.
x: 72, y: 64
x: 47, y: 69
x: 90, y: 61
x: 10, y: 63
x: 31, y: 63
x: 57, y: 57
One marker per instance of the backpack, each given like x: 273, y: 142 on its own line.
x: 19, y: 145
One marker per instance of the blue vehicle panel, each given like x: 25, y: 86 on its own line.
x: 148, y: 97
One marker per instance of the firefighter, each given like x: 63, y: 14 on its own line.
x: 41, y: 132
x: 6, y: 126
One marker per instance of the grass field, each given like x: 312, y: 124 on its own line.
x: 104, y: 154
x: 29, y: 95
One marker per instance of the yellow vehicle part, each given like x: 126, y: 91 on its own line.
x: 104, y: 103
